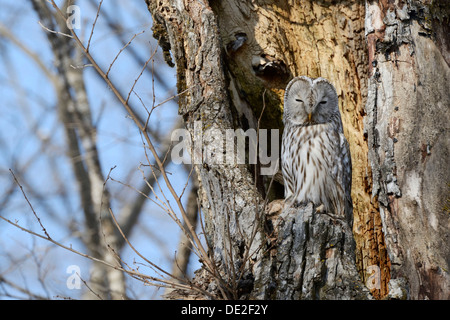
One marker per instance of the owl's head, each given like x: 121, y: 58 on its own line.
x: 310, y: 101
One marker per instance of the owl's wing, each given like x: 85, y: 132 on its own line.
x: 341, y: 176
x: 346, y: 181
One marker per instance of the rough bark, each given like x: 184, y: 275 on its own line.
x: 407, y: 126
x: 312, y: 256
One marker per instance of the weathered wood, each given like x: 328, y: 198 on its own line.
x: 407, y: 126
x: 312, y: 256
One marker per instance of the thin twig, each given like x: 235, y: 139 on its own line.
x: 208, y: 263
x: 139, y: 76
x: 55, y: 32
x: 89, y: 288
x: 136, y: 251
x: 93, y: 26
x: 145, y: 259
x: 29, y: 203
x: 141, y: 276
x: 120, y: 51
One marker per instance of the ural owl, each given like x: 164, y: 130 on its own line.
x: 316, y: 161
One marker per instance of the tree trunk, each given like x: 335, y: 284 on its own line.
x: 313, y: 257
x: 407, y: 126
x: 234, y: 59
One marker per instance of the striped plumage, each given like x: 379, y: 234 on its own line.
x: 315, y: 155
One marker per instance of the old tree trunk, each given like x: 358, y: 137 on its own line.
x: 389, y: 61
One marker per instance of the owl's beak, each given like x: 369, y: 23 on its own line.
x: 309, y: 117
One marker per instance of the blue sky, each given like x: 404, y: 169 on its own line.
x: 32, y: 143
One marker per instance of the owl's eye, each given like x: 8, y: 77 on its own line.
x: 298, y: 100
x: 323, y: 102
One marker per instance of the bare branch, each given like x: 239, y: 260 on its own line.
x: 31, y: 207
x: 93, y: 25
x: 120, y: 51
x: 181, y: 260
x: 21, y: 289
x: 55, y: 32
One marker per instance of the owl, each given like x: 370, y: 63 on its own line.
x: 315, y: 155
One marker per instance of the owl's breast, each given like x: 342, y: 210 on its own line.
x: 307, y: 163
